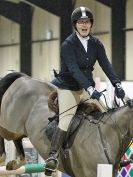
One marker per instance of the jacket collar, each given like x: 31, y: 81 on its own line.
x: 77, y: 42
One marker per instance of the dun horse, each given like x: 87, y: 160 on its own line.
x: 25, y: 112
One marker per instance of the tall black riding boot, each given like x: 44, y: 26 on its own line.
x: 56, y: 143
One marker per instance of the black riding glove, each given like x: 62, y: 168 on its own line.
x: 120, y: 93
x: 93, y: 93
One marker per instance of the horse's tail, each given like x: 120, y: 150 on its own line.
x: 6, y: 81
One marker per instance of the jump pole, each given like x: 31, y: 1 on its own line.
x: 28, y: 168
x: 104, y: 170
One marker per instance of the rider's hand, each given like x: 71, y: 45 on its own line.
x: 93, y: 93
x: 120, y: 93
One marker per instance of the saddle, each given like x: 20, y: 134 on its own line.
x: 83, y: 110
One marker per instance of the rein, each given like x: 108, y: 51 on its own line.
x: 79, y: 104
x: 124, y: 140
x: 104, y: 146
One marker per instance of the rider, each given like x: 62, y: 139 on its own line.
x: 75, y: 83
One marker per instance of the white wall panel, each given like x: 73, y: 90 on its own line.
x: 88, y: 3
x: 42, y: 22
x: 9, y: 54
x: 129, y: 14
x: 45, y: 58
x: 45, y: 55
x: 102, y: 18
x: 129, y: 41
x: 9, y: 59
x: 106, y: 39
x: 129, y: 55
x: 9, y: 31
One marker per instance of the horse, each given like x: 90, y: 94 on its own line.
x: 24, y: 113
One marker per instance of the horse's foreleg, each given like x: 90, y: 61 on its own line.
x: 20, y: 160
x: 2, y: 151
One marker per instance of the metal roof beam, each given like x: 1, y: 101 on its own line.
x: 49, y: 5
x: 7, y: 10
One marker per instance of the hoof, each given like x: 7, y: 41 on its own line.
x: 2, y: 159
x: 51, y: 166
x: 14, y: 164
x: 11, y: 165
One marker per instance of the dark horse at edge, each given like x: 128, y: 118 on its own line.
x: 25, y: 112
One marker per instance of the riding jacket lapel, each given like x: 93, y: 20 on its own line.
x: 78, y: 43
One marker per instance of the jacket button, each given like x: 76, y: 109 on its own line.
x: 87, y: 58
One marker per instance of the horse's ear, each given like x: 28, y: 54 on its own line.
x: 130, y: 103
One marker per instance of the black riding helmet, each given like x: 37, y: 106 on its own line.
x: 81, y: 13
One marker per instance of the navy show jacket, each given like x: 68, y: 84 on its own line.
x: 77, y: 64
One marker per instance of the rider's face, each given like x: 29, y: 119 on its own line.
x: 83, y: 26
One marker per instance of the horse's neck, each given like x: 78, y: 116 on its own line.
x: 124, y: 119
x: 129, y: 117
x: 124, y: 128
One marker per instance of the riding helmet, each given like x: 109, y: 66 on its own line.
x: 80, y: 13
